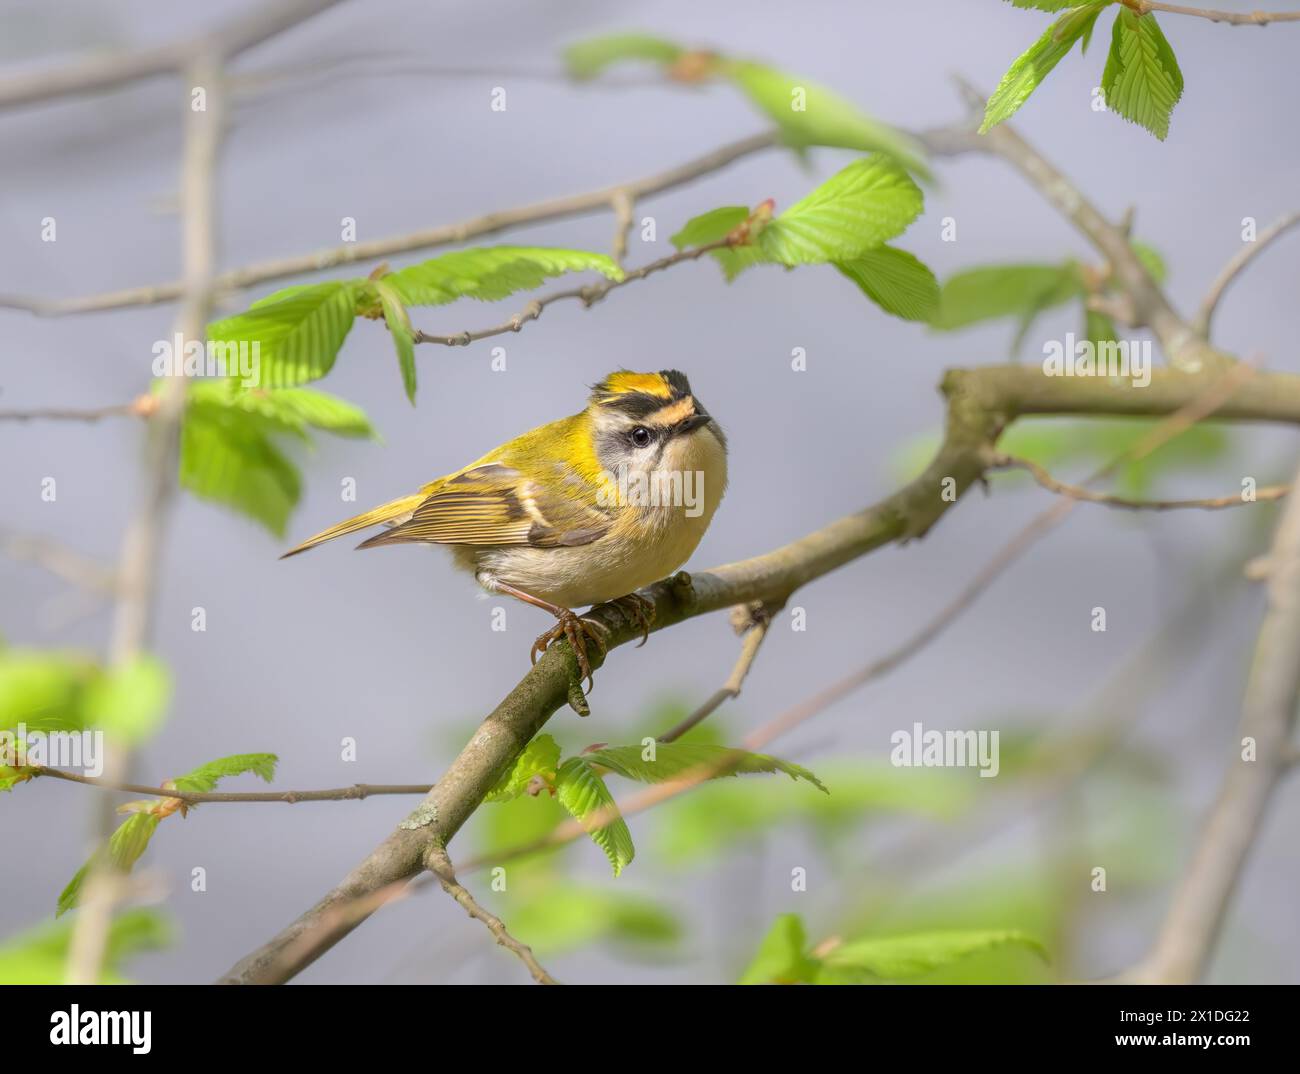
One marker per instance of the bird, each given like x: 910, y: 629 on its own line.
x: 580, y: 511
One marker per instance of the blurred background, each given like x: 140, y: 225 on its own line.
x: 1113, y: 742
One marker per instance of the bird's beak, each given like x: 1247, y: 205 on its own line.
x: 695, y: 421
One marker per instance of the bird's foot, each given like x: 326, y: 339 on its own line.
x: 640, y: 608
x: 575, y: 630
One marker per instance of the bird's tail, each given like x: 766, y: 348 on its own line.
x: 391, y: 512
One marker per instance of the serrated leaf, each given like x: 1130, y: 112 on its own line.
x: 780, y: 958
x: 587, y: 59
x: 298, y: 331
x: 128, y: 702
x: 1026, y: 74
x: 896, y: 281
x: 541, y: 757
x: 994, y: 291
x: 1142, y: 81
x: 39, y: 956
x: 583, y: 793
x: 298, y: 409
x: 807, y: 114
x: 894, y: 957
x: 858, y: 208
x: 489, y: 273
x: 672, y: 760
x: 1043, y: 5
x: 399, y: 327
x: 206, y: 777
x: 713, y: 226
x: 125, y: 846
x: 228, y: 456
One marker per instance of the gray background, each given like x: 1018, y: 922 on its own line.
x: 394, y: 649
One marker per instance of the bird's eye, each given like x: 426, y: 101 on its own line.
x: 640, y: 436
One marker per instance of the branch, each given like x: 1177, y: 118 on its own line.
x: 440, y: 865
x: 1239, y: 262
x: 1201, y: 900
x: 445, y: 235
x: 58, y: 560
x: 356, y: 792
x: 142, y: 406
x: 1147, y: 304
x: 1078, y: 492
x: 95, y: 73
x: 589, y: 296
x: 980, y: 403
x: 1253, y: 18
x: 142, y: 543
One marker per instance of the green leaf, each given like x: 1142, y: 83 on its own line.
x: 672, y: 760
x: 39, y: 956
x: 583, y: 793
x: 894, y: 957
x: 896, y: 281
x: 399, y: 327
x: 295, y: 409
x: 807, y: 114
x: 44, y: 690
x: 562, y: 916
x: 1142, y: 81
x: 587, y: 59
x: 491, y: 272
x: 541, y: 757
x: 995, y: 291
x: 298, y: 331
x: 858, y: 208
x: 1044, y: 5
x: 713, y: 226
x: 1036, y: 63
x: 125, y: 846
x: 206, y: 777
x: 128, y: 703
x: 780, y: 958
x: 229, y: 457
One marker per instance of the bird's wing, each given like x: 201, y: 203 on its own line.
x: 494, y: 504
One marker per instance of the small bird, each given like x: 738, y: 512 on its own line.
x: 577, y: 512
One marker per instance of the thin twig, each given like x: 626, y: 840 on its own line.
x: 355, y: 792
x: 624, y: 206
x: 1078, y: 492
x: 588, y: 295
x: 140, y: 407
x: 440, y: 865
x: 444, y: 235
x: 1253, y: 18
x: 1237, y: 264
x: 752, y: 622
x: 59, y: 560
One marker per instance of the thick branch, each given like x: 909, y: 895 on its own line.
x: 980, y: 403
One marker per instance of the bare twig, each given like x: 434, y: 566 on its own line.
x: 588, y: 295
x: 624, y: 207
x: 751, y: 622
x: 142, y: 543
x: 141, y: 407
x: 1040, y: 474
x: 355, y: 792
x: 59, y: 560
x: 444, y: 235
x: 1252, y: 18
x: 1237, y: 264
x: 440, y: 865
x: 1256, y: 762
x: 95, y: 73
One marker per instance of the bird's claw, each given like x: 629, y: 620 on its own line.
x: 575, y: 630
x: 642, y: 609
